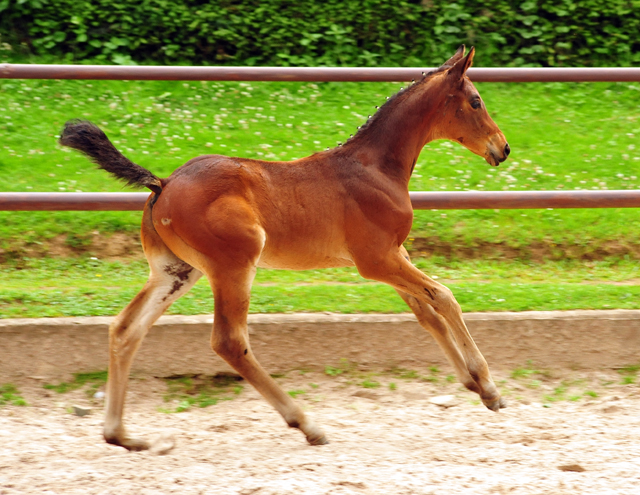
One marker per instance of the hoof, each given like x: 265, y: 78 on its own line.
x: 321, y: 440
x: 131, y: 444
x: 495, y: 404
x: 137, y: 446
x: 314, y: 435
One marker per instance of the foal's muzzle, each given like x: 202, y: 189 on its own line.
x: 497, y: 152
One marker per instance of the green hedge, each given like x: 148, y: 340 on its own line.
x: 328, y: 32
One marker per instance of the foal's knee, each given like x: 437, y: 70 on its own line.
x: 442, y: 299
x: 229, y: 348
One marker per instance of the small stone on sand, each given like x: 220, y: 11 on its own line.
x: 576, y: 468
x: 445, y: 401
x: 81, y: 410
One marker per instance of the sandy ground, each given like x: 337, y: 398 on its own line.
x: 383, y: 441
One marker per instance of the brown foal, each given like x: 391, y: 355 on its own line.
x: 349, y: 206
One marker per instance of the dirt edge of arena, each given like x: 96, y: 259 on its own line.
x: 56, y: 348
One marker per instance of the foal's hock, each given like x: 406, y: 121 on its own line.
x: 349, y: 206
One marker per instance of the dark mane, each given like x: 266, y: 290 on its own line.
x: 391, y: 103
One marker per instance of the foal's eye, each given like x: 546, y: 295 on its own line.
x: 476, y: 104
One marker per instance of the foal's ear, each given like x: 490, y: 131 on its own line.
x: 452, y: 61
x: 460, y: 68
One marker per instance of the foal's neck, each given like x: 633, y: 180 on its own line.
x: 398, y: 131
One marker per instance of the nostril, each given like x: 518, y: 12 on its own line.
x: 507, y: 149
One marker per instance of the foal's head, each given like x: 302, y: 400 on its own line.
x: 465, y: 118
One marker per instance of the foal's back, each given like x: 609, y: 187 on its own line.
x: 292, y: 212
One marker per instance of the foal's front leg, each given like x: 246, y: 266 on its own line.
x: 439, y: 313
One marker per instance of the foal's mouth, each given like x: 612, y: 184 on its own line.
x: 495, y: 158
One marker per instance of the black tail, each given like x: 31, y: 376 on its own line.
x: 90, y: 140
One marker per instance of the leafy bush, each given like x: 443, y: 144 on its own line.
x: 332, y: 32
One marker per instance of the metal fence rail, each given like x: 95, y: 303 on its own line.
x: 317, y: 74
x: 466, y: 200
x: 420, y: 200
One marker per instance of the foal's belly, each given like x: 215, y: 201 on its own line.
x: 303, y: 260
x: 287, y: 264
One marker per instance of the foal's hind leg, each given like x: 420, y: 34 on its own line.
x: 231, y: 286
x: 169, y: 279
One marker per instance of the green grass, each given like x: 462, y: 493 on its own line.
x: 295, y: 393
x: 629, y: 374
x: 345, y: 367
x: 563, y: 136
x: 406, y: 374
x: 368, y: 383
x: 529, y: 376
x: 520, y: 373
x: 567, y: 390
x: 44, y: 287
x: 94, y: 381
x: 10, y: 396
x: 186, y: 392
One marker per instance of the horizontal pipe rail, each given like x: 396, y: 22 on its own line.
x: 55, y: 201
x: 514, y: 200
x: 467, y: 200
x: 317, y: 74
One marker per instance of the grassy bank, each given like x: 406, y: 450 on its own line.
x: 91, y: 287
x: 563, y: 136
